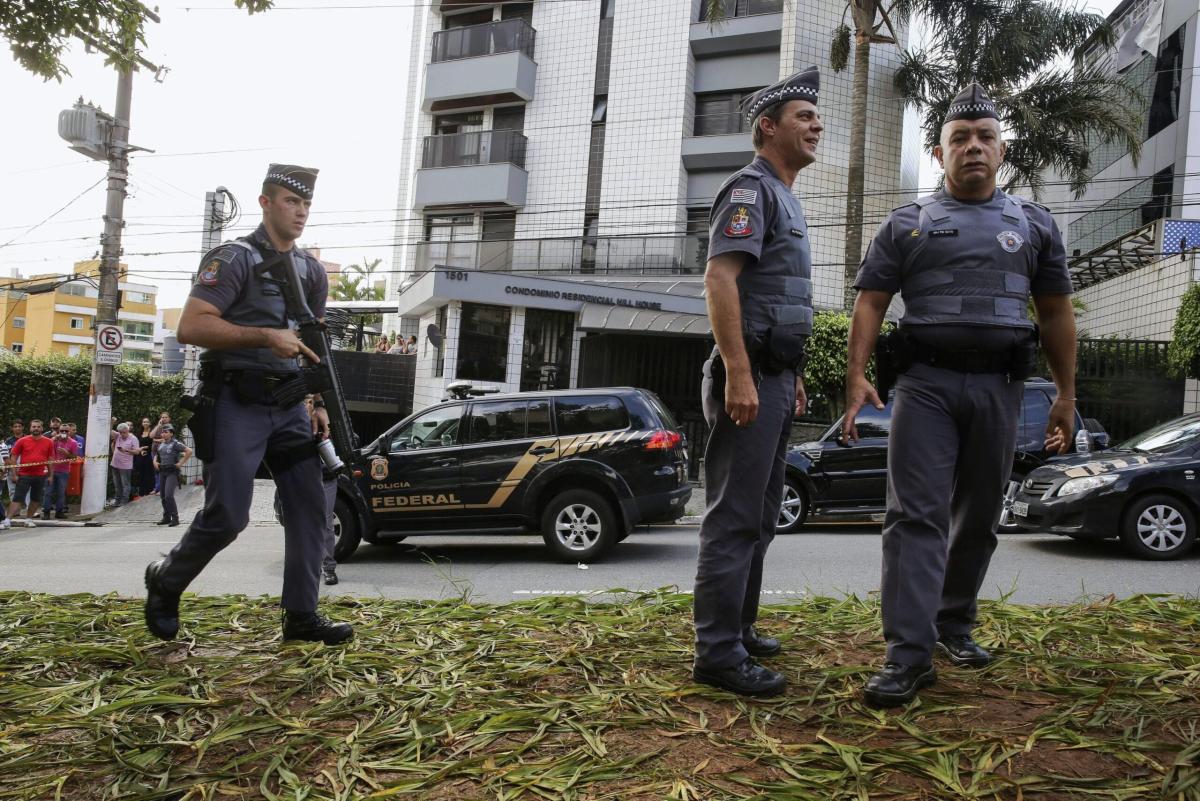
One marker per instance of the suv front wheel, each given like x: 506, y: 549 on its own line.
x: 579, y: 526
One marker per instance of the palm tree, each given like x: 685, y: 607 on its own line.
x: 1053, y: 115
x: 869, y: 18
x: 357, y: 283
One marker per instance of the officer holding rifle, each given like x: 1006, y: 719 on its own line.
x: 251, y: 408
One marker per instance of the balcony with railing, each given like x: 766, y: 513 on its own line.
x: 720, y: 140
x: 749, y: 25
x: 616, y: 255
x: 478, y: 168
x: 481, y: 64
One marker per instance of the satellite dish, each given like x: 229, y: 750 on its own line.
x: 434, y: 334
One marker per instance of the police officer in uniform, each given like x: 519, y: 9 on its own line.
x: 759, y: 291
x: 250, y: 373
x: 966, y: 261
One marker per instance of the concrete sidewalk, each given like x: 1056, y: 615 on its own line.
x: 189, y: 499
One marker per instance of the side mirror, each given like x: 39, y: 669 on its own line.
x: 447, y: 440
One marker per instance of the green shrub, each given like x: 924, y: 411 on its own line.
x: 1183, y: 356
x: 57, y: 386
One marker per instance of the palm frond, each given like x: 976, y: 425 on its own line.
x: 839, y: 49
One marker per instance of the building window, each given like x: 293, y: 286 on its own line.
x: 439, y: 347
x: 600, y: 109
x: 607, y: 7
x: 719, y: 113
x: 77, y: 289
x: 138, y: 297
x: 138, y: 332
x: 1159, y: 204
x: 483, y: 342
x: 76, y: 323
x: 745, y: 8
x: 695, y: 246
x: 17, y: 347
x: 18, y: 322
x: 137, y: 356
x: 546, y: 351
x: 1168, y: 83
x: 449, y: 242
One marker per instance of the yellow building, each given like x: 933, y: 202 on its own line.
x: 63, y: 319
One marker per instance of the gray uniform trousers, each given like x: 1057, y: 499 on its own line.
x: 329, y: 563
x: 743, y: 483
x: 244, y: 434
x: 949, y: 458
x: 168, y: 482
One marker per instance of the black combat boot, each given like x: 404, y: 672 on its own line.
x: 314, y: 627
x: 747, y: 678
x: 964, y: 651
x: 757, y: 645
x: 898, y: 684
x: 330, y: 577
x: 162, y: 605
x: 164, y: 521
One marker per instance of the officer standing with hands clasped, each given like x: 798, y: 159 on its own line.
x: 759, y: 292
x: 251, y: 408
x: 966, y: 261
x: 168, y: 458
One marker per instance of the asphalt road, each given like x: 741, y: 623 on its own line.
x: 827, y: 560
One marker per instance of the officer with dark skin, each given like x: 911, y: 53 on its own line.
x: 250, y: 367
x: 966, y: 261
x: 758, y: 284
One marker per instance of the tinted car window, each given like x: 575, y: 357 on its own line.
x: 1166, y: 438
x: 497, y: 421
x: 871, y: 423
x: 1035, y: 412
x: 436, y: 428
x: 664, y: 413
x: 588, y: 414
x: 538, y: 424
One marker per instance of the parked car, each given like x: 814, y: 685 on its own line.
x: 829, y: 477
x: 1144, y: 492
x: 583, y: 467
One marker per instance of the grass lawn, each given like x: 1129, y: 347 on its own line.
x: 557, y: 698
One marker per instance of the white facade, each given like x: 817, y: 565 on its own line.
x: 631, y: 205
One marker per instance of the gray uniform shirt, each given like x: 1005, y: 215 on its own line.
x: 970, y: 239
x: 230, y: 281
x: 169, y: 453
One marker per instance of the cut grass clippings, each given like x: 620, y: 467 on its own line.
x: 558, y: 698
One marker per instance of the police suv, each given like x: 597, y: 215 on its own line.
x: 581, y: 466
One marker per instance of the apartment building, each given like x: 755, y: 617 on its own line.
x: 559, y: 163
x: 45, y: 315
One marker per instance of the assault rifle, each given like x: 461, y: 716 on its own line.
x: 321, y: 377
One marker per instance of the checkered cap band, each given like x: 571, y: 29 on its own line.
x: 768, y: 99
x: 970, y: 108
x: 288, y: 182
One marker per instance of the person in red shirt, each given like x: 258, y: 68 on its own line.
x: 66, y: 449
x: 34, y: 451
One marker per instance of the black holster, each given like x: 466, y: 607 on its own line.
x: 1025, y: 356
x: 893, y: 356
x: 775, y: 351
x: 202, y: 423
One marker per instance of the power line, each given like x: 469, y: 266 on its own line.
x: 55, y: 214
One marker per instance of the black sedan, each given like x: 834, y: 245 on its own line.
x: 1145, y: 492
x: 829, y: 478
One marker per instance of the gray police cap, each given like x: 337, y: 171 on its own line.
x: 972, y: 103
x: 804, y: 85
x: 301, y: 180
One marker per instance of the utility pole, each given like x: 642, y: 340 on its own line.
x: 95, y: 469
x: 215, y: 218
x: 95, y: 134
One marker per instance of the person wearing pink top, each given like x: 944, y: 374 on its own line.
x: 66, y: 449
x: 125, y: 447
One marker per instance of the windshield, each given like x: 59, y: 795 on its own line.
x: 1166, y: 438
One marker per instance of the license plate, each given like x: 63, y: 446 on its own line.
x: 1020, y: 509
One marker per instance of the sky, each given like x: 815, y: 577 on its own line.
x: 319, y: 83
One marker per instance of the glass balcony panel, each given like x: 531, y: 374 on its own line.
x: 490, y: 38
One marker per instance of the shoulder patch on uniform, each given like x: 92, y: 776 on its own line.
x: 739, y: 224
x: 210, y: 272
x: 747, y: 196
